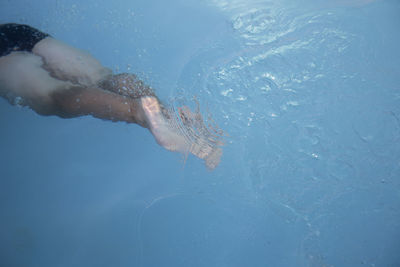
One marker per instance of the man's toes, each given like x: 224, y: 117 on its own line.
x: 150, y: 104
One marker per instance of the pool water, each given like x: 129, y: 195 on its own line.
x: 307, y: 93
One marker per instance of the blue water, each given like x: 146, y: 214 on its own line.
x: 308, y: 93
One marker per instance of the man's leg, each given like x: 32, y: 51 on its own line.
x: 68, y: 63
x: 23, y: 81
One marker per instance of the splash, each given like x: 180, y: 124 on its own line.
x: 181, y: 130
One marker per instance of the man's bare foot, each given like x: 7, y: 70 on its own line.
x: 159, y: 127
x: 185, y: 136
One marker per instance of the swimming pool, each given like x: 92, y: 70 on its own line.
x: 307, y: 93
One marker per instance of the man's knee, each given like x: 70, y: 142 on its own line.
x: 128, y: 85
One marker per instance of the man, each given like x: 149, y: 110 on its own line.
x: 53, y: 78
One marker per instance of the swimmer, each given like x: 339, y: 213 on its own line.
x: 53, y: 78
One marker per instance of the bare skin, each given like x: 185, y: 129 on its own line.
x: 78, y: 101
x: 182, y: 139
x: 123, y: 97
x: 127, y: 105
x: 56, y: 79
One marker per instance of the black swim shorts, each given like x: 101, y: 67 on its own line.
x: 18, y: 37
